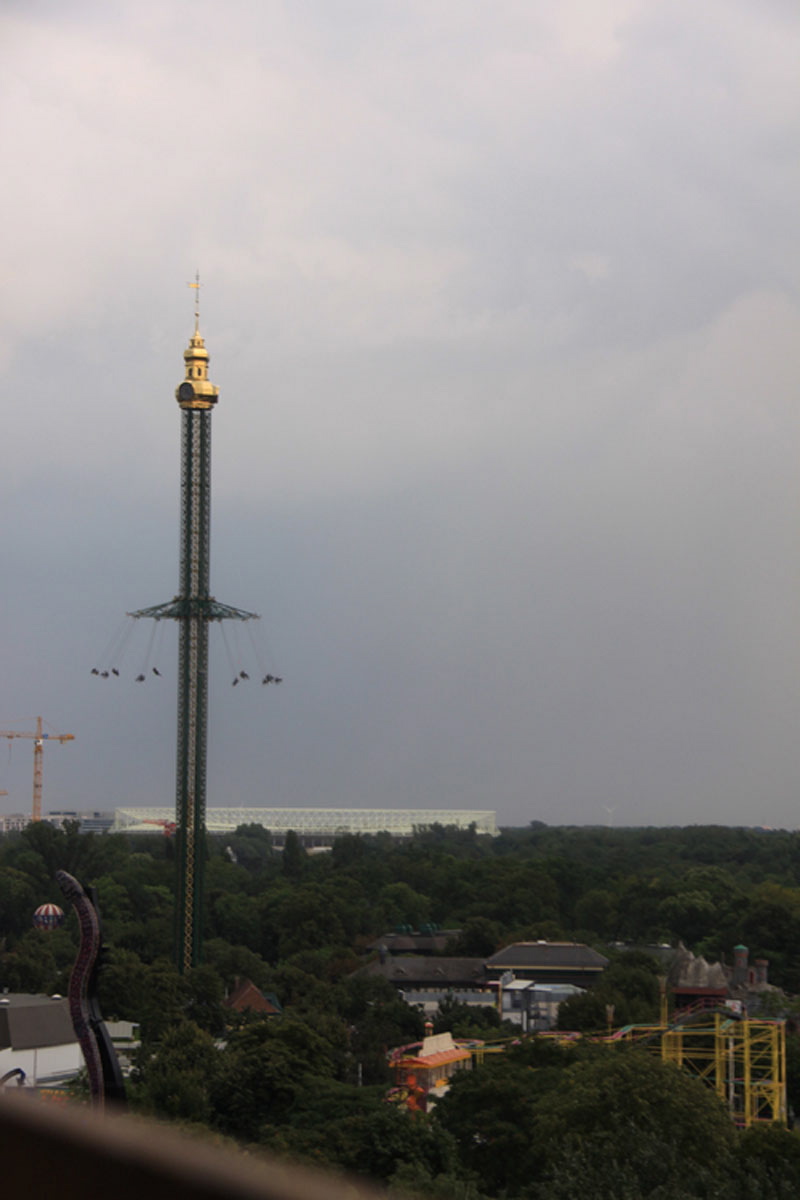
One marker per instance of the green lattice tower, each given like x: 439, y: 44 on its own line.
x: 193, y: 608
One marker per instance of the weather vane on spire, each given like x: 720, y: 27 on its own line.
x: 196, y: 286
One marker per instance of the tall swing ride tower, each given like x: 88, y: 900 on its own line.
x: 194, y: 609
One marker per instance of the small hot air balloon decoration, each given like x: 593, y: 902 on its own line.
x: 48, y: 916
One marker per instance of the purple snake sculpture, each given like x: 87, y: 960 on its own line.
x: 102, y: 1065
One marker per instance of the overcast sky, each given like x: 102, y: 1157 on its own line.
x: 502, y: 300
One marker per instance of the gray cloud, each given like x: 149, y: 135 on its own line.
x: 503, y: 305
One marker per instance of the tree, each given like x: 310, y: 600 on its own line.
x: 491, y: 1113
x: 629, y: 984
x: 294, y: 856
x: 688, y: 916
x: 122, y: 985
x: 84, y: 855
x: 31, y: 966
x: 349, y: 851
x: 626, y: 1108
x: 479, y: 938
x: 264, y: 1067
x: 18, y: 900
x: 769, y: 1161
x: 164, y: 1001
x: 232, y: 962
x: 205, y: 992
x: 237, y: 919
x: 596, y: 911
x: 466, y: 1020
x: 305, y: 918
x: 176, y: 1080
x: 400, y: 904
x: 252, y: 854
x: 586, y: 1012
x: 373, y: 1140
x: 612, y: 1123
x: 377, y: 1020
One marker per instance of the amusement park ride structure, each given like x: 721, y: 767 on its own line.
x: 742, y: 1058
x: 194, y: 608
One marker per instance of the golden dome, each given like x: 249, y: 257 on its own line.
x: 201, y: 393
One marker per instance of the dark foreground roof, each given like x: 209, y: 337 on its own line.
x: 32, y: 1022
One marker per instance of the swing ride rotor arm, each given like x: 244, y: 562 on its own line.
x: 206, y: 607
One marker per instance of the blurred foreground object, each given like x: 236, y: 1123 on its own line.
x: 78, y: 1153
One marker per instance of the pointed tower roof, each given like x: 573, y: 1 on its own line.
x: 196, y: 390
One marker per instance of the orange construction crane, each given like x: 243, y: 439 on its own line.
x: 38, y: 744
x: 169, y: 827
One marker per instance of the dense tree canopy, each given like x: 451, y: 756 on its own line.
x: 537, y: 1121
x: 602, y: 1123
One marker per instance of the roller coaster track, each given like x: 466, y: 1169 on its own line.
x: 105, y: 1077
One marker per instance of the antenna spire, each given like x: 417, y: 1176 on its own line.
x: 196, y: 286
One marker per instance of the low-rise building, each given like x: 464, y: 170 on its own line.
x: 405, y: 940
x: 14, y: 822
x: 694, y: 982
x: 548, y: 963
x: 534, y: 1006
x: 37, y: 1038
x: 89, y: 821
x: 425, y: 980
x: 246, y: 997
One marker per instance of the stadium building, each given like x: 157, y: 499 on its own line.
x: 314, y: 826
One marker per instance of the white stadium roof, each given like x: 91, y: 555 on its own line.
x: 322, y: 822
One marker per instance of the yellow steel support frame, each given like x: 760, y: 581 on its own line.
x: 761, y: 1051
x: 744, y: 1060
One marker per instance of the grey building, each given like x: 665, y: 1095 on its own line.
x: 36, y: 1037
x: 548, y: 963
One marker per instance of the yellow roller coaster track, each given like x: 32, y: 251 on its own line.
x: 742, y: 1058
